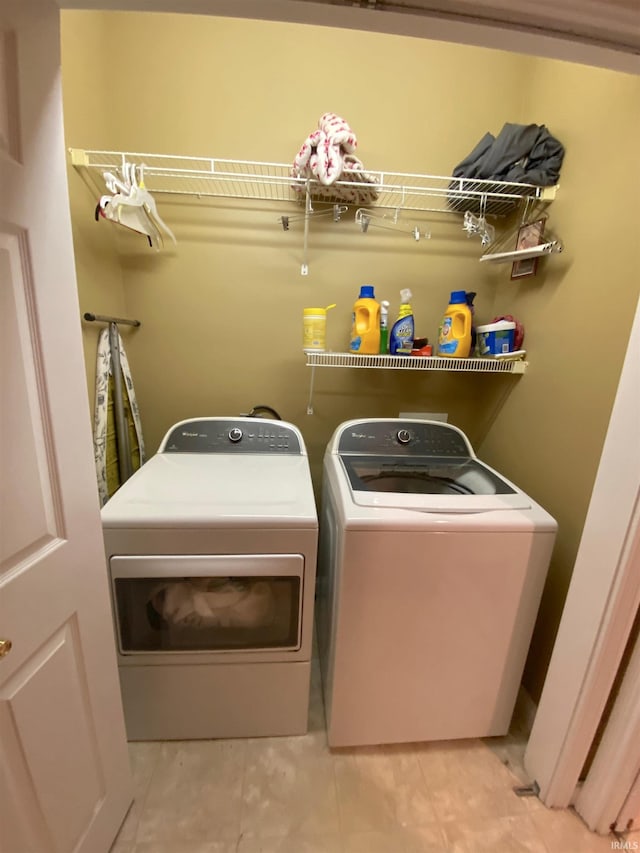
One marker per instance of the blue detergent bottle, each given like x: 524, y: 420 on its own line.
x: 402, y: 331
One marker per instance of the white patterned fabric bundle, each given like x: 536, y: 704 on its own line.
x: 328, y: 155
x: 215, y: 602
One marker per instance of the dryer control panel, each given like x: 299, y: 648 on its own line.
x: 408, y: 438
x: 232, y: 435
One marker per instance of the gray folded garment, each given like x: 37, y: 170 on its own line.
x: 521, y: 153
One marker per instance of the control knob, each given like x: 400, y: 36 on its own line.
x: 235, y: 434
x: 403, y: 436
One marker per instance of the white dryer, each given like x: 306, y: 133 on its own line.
x: 431, y: 567
x: 211, y: 550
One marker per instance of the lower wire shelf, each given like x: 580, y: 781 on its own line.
x: 409, y: 362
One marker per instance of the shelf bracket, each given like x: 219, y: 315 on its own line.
x: 310, y: 401
x: 549, y: 248
x: 308, y: 210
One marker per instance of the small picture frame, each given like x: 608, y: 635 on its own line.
x: 529, y: 235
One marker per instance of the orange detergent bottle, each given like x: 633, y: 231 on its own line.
x: 365, y: 326
x: 454, y: 337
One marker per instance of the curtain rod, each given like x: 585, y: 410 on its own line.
x: 99, y: 318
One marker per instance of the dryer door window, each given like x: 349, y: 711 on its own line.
x: 167, y: 604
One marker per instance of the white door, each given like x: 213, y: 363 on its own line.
x: 65, y: 783
x: 629, y: 817
x: 610, y: 793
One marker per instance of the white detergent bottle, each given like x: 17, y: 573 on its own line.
x: 402, y: 332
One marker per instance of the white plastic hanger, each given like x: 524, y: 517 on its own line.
x: 126, y: 209
x: 365, y: 218
x: 133, y: 206
x: 149, y: 203
x: 132, y: 218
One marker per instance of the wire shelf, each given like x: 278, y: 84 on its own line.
x: 169, y: 174
x: 408, y: 362
x: 404, y: 362
x: 547, y: 248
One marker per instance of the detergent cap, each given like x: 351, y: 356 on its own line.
x: 458, y: 297
x: 366, y: 291
x: 405, y: 296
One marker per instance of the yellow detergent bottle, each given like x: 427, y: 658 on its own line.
x: 454, y: 338
x: 365, y: 326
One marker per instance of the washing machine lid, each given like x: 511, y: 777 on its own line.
x: 216, y: 491
x: 431, y: 484
x: 422, y: 465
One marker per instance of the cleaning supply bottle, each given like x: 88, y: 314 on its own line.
x: 384, y: 326
x: 402, y: 331
x: 454, y: 338
x: 470, y: 295
x: 365, y: 327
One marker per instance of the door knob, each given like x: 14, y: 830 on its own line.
x: 5, y: 647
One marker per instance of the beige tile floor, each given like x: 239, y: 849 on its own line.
x: 294, y: 795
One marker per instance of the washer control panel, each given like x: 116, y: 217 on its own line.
x: 227, y: 435
x: 410, y: 438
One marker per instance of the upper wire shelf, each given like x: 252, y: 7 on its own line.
x: 169, y: 174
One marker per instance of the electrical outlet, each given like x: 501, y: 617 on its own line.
x: 425, y: 416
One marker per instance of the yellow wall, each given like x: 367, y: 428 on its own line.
x: 87, y: 94
x: 227, y: 304
x: 222, y: 313
x: 577, y: 312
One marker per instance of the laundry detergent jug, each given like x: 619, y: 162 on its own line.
x: 365, y: 326
x: 454, y: 337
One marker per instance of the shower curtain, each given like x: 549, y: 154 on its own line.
x: 104, y: 429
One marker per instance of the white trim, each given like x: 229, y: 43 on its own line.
x: 601, y: 604
x: 616, y: 765
x: 630, y: 813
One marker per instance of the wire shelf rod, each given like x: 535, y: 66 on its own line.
x: 101, y: 318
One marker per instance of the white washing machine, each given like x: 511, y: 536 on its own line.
x: 431, y: 567
x: 211, y: 550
